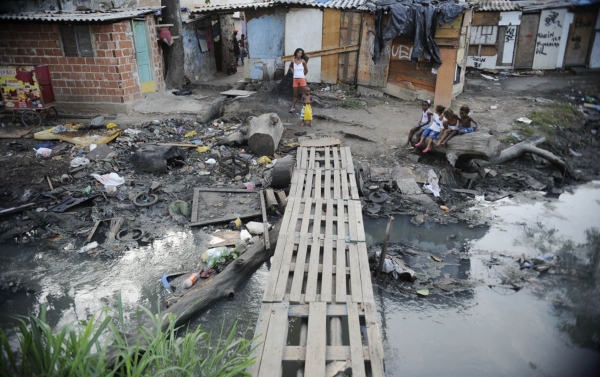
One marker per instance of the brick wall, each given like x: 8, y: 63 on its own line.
x: 111, y: 76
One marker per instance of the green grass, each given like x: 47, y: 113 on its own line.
x: 82, y: 350
x: 351, y: 103
x: 548, y: 121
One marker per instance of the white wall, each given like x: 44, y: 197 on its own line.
x: 510, y: 18
x: 549, y: 38
x: 304, y: 29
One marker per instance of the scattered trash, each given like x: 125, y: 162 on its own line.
x: 206, y: 273
x: 165, y: 280
x: 446, y: 209
x: 97, y: 121
x: 524, y: 120
x: 43, y: 152
x: 210, y: 161
x: 203, y: 149
x: 493, y: 107
x: 433, y: 185
x: 489, y: 77
x: 87, y: 191
x: 215, y: 256
x: 237, y: 222
x: 111, y: 125
x: 59, y: 129
x: 516, y: 136
x: 191, y: 280
x: 182, y: 92
x: 190, y: 134
x: 245, y: 235
x: 575, y: 154
x: 378, y: 197
x: 436, y: 258
x: 44, y: 144
x: 88, y: 247
x: 263, y: 160
x: 79, y: 161
x: 110, y: 179
x: 255, y: 227
x: 424, y: 292
x: 249, y: 185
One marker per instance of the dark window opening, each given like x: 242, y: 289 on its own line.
x: 76, y: 40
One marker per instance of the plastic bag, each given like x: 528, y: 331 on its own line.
x: 264, y: 160
x: 112, y: 179
x: 79, y: 161
x: 43, y: 152
x: 214, y: 256
x: 203, y: 149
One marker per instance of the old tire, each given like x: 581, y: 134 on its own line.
x: 282, y: 172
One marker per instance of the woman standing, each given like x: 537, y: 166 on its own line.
x: 300, y: 69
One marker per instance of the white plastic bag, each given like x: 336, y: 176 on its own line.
x: 43, y: 152
x: 79, y: 161
x: 215, y: 256
x: 111, y: 179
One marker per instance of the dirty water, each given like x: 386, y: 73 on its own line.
x: 547, y: 326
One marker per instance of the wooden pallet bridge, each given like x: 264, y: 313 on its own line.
x: 318, y: 312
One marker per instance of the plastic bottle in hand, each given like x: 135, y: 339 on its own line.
x: 191, y: 280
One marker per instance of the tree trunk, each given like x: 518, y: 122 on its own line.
x: 476, y: 144
x: 264, y: 133
x: 174, y: 54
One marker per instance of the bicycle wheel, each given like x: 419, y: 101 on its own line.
x: 31, y: 118
x: 50, y: 113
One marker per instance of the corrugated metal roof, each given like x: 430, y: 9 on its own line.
x: 79, y: 16
x: 495, y: 5
x: 337, y: 4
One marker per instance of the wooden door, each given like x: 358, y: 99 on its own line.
x: 331, y: 39
x: 526, y: 40
x: 445, y: 77
x: 369, y: 72
x: 142, y: 54
x: 580, y: 36
x: 42, y: 73
x: 349, y: 36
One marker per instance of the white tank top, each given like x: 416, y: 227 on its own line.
x: 298, y: 70
x: 425, y: 118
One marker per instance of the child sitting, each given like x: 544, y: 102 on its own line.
x: 464, y: 124
x: 306, y: 113
x: 451, y: 125
x: 425, y: 120
x: 433, y: 130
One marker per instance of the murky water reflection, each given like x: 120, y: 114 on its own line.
x: 551, y: 327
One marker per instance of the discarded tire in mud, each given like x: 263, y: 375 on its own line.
x: 145, y: 200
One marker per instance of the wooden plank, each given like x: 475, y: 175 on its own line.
x: 333, y: 353
x: 284, y: 269
x: 374, y: 340
x: 260, y: 334
x: 283, y: 242
x: 353, y: 186
x: 317, y: 218
x: 336, y: 185
x: 316, y: 344
x: 327, y: 192
x: 360, y: 228
x: 264, y: 219
x: 323, y: 52
x: 287, y: 216
x: 333, y: 310
x: 270, y: 198
x: 581, y: 33
x: 195, y: 202
x: 235, y: 92
x: 225, y: 219
x: 291, y: 226
x: 344, y: 178
x: 340, y: 272
x: 343, y: 160
x: 331, y: 39
x: 372, y: 73
x: 336, y: 159
x: 327, y: 274
x: 327, y: 158
x: 271, y: 363
x: 321, y: 142
x: 356, y: 344
x: 341, y: 219
x: 329, y: 219
x: 302, y: 153
x: 485, y: 18
x: 298, y: 279
x: 308, y: 184
x: 355, y: 286
x: 350, y: 163
x: 297, y: 177
x: 306, y: 220
x: 526, y: 40
x: 313, y: 271
x: 365, y: 272
x: 311, y: 160
x: 318, y: 177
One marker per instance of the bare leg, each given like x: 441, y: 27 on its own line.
x: 429, y: 142
x: 420, y: 142
x: 452, y: 134
x: 444, y: 134
x: 410, y: 135
x: 294, y: 98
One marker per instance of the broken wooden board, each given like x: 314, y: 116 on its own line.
x: 219, y: 205
x: 237, y: 93
x: 82, y: 138
x: 306, y: 141
x: 229, y: 237
x: 13, y: 134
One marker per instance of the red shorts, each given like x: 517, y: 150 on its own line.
x: 299, y: 83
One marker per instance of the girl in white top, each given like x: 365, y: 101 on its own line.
x: 425, y: 120
x: 300, y: 69
x: 433, y: 130
x: 450, y: 125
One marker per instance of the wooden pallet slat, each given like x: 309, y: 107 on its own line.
x: 350, y: 163
x: 317, y: 218
x: 284, y: 269
x: 327, y: 178
x: 311, y: 161
x: 313, y: 271
x: 365, y: 273
x: 318, y: 183
x: 327, y: 274
x: 374, y: 340
x: 262, y: 324
x: 356, y: 346
x: 336, y: 185
x: 344, y: 179
x: 336, y: 159
x: 340, y: 272
x: 353, y: 186
x: 355, y: 286
x: 299, y: 272
x: 316, y: 345
x: 271, y: 366
x: 343, y: 161
x: 283, y: 242
x: 308, y: 184
x: 341, y: 220
x: 327, y: 158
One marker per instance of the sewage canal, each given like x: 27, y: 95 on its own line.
x: 487, y: 314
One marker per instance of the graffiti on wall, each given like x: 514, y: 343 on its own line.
x: 401, y: 52
x: 545, y: 42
